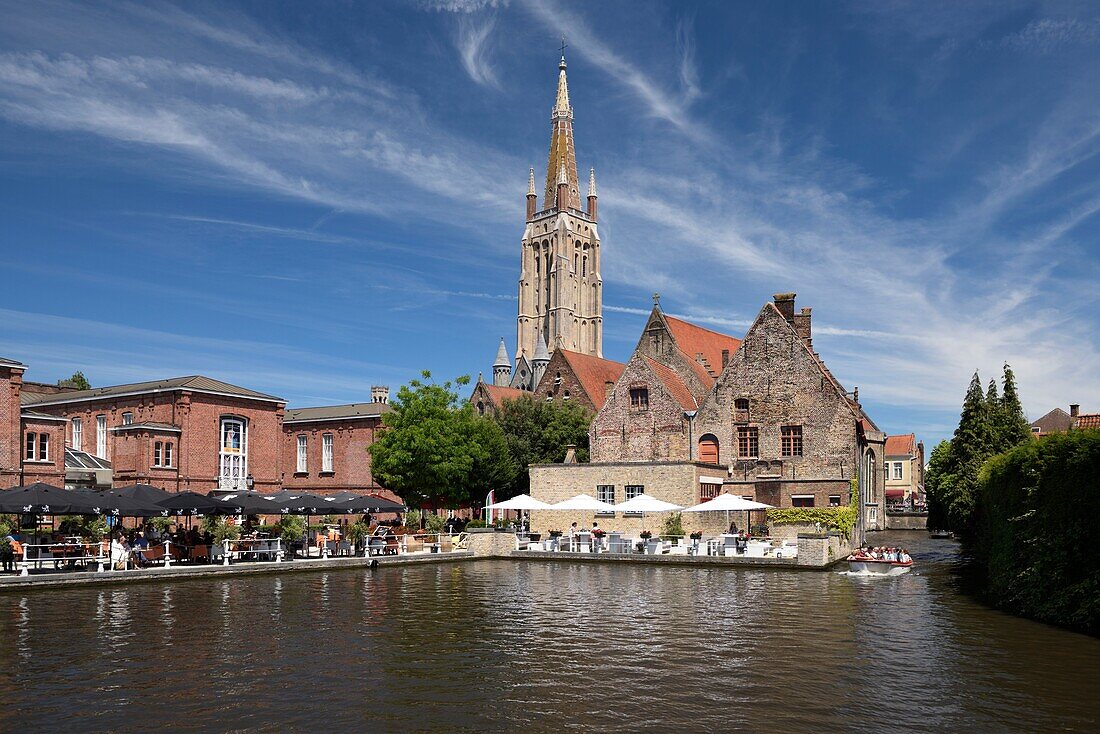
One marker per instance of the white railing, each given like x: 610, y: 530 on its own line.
x: 721, y: 545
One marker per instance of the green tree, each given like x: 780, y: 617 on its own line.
x: 970, y: 447
x: 492, y: 466
x: 939, y: 485
x: 1010, y: 424
x: 423, y: 453
x: 992, y: 400
x: 78, y: 381
x: 538, y: 432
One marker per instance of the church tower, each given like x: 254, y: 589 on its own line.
x: 560, y: 289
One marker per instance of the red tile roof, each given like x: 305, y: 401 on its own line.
x: 693, y: 340
x: 1088, y: 420
x: 904, y: 445
x: 674, y: 385
x: 500, y: 394
x: 593, y: 373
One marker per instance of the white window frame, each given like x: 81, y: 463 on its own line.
x: 630, y: 491
x: 101, y: 436
x: 898, y: 472
x: 232, y: 460
x: 167, y: 454
x: 128, y: 418
x: 158, y: 453
x: 78, y: 434
x: 603, y: 491
x: 30, y: 446
x: 302, y: 465
x: 327, y: 463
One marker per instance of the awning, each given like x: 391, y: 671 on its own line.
x: 895, y: 492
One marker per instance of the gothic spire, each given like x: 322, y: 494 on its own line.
x: 531, y: 183
x: 502, y: 356
x: 562, y: 157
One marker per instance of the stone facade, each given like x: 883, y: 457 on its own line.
x: 680, y: 482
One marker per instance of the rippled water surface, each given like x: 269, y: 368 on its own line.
x: 499, y: 645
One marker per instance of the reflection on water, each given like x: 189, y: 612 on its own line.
x: 542, y: 646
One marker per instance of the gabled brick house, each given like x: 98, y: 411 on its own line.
x: 32, y: 443
x: 583, y: 379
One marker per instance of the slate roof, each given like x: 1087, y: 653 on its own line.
x: 350, y: 411
x: 693, y: 340
x: 5, y: 362
x: 193, y: 383
x: 35, y: 415
x: 1056, y: 421
x: 673, y: 384
x: 904, y: 445
x: 593, y: 373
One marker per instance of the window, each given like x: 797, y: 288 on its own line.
x: 31, y: 443
x: 897, y: 470
x: 791, y: 441
x: 741, y: 410
x: 633, y: 490
x: 639, y: 398
x: 802, y: 500
x: 1036, y: 429
x: 326, y: 452
x: 101, y: 436
x: 127, y: 418
x: 606, y: 493
x: 565, y: 396
x: 748, y: 443
x: 167, y: 453
x: 834, y: 500
x: 709, y: 491
x: 78, y: 434
x: 158, y: 453
x: 303, y: 460
x: 43, y: 447
x: 233, y: 455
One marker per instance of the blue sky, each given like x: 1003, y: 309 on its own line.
x: 309, y: 198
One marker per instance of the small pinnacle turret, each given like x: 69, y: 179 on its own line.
x: 502, y: 367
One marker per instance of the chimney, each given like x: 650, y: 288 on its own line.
x: 570, y: 454
x: 785, y: 303
x: 379, y: 394
x: 1074, y: 410
x: 725, y: 358
x: 802, y: 325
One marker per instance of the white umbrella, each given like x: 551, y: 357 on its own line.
x: 520, y: 502
x: 729, y: 502
x: 584, y: 502
x: 644, y: 503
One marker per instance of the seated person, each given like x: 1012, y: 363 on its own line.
x: 120, y: 552
x: 139, y: 546
x: 905, y: 557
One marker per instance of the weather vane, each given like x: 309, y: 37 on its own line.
x: 563, y: 45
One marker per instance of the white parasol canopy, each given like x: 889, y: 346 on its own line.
x: 520, y: 502
x: 727, y: 502
x: 584, y: 502
x: 645, y: 503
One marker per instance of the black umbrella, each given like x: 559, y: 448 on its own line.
x: 45, y: 499
x: 114, y: 503
x: 368, y: 503
x: 144, y: 492
x: 193, y: 503
x: 253, y: 503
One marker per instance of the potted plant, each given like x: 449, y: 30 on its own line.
x: 645, y: 535
x: 697, y: 535
x: 555, y: 533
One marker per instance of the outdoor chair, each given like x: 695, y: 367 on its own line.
x: 200, y: 552
x: 154, y: 554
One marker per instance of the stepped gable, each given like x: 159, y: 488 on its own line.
x: 594, y: 373
x: 673, y: 384
x: 694, y: 340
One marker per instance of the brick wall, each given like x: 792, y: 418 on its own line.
x: 622, y: 432
x: 784, y: 385
x: 569, y: 385
x: 52, y: 470
x: 676, y: 482
x: 351, y: 458
x: 11, y: 380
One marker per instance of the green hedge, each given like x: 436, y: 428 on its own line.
x: 841, y: 519
x: 1037, y: 533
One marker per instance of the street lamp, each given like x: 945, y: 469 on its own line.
x: 249, y: 482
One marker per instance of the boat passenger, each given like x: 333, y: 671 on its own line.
x: 905, y: 557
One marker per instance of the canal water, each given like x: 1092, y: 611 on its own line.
x: 500, y: 645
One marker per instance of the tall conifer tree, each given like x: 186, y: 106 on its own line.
x: 971, y: 445
x: 1012, y: 426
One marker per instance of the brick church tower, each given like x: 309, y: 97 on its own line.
x: 560, y: 289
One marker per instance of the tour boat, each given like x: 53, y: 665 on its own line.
x: 877, y: 566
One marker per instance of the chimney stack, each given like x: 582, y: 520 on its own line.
x: 379, y: 394
x: 1074, y: 410
x: 570, y: 454
x: 785, y: 303
x: 802, y: 326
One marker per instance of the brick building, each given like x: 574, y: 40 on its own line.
x: 487, y: 398
x: 1059, y: 421
x: 584, y: 379
x: 904, y: 470
x: 325, y: 449
x: 696, y: 412
x: 32, y: 443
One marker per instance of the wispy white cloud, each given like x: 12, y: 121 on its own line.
x: 472, y: 39
x: 1049, y: 34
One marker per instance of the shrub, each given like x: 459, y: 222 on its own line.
x: 412, y: 519
x: 840, y: 519
x: 475, y: 524
x: 673, y: 526
x: 220, y: 527
x: 290, y: 528
x: 434, y: 523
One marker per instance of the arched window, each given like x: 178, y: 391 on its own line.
x: 584, y: 267
x: 708, y: 449
x: 233, y: 453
